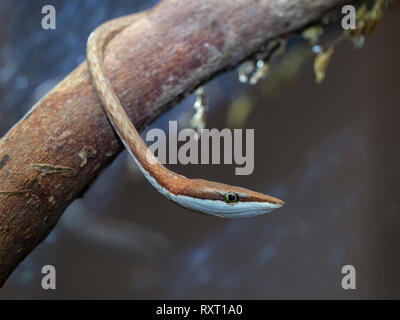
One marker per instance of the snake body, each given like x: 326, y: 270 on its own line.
x: 199, y: 195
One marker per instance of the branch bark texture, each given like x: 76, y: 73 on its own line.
x: 53, y: 154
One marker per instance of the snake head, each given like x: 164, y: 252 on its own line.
x: 225, y: 201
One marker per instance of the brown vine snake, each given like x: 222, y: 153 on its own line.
x: 199, y: 195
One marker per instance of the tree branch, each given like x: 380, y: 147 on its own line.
x: 52, y: 155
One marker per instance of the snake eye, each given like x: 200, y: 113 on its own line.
x: 231, y: 198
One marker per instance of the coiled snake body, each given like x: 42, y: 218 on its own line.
x: 199, y: 195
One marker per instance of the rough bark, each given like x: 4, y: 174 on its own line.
x: 53, y: 154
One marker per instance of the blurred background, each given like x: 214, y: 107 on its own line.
x: 331, y: 151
